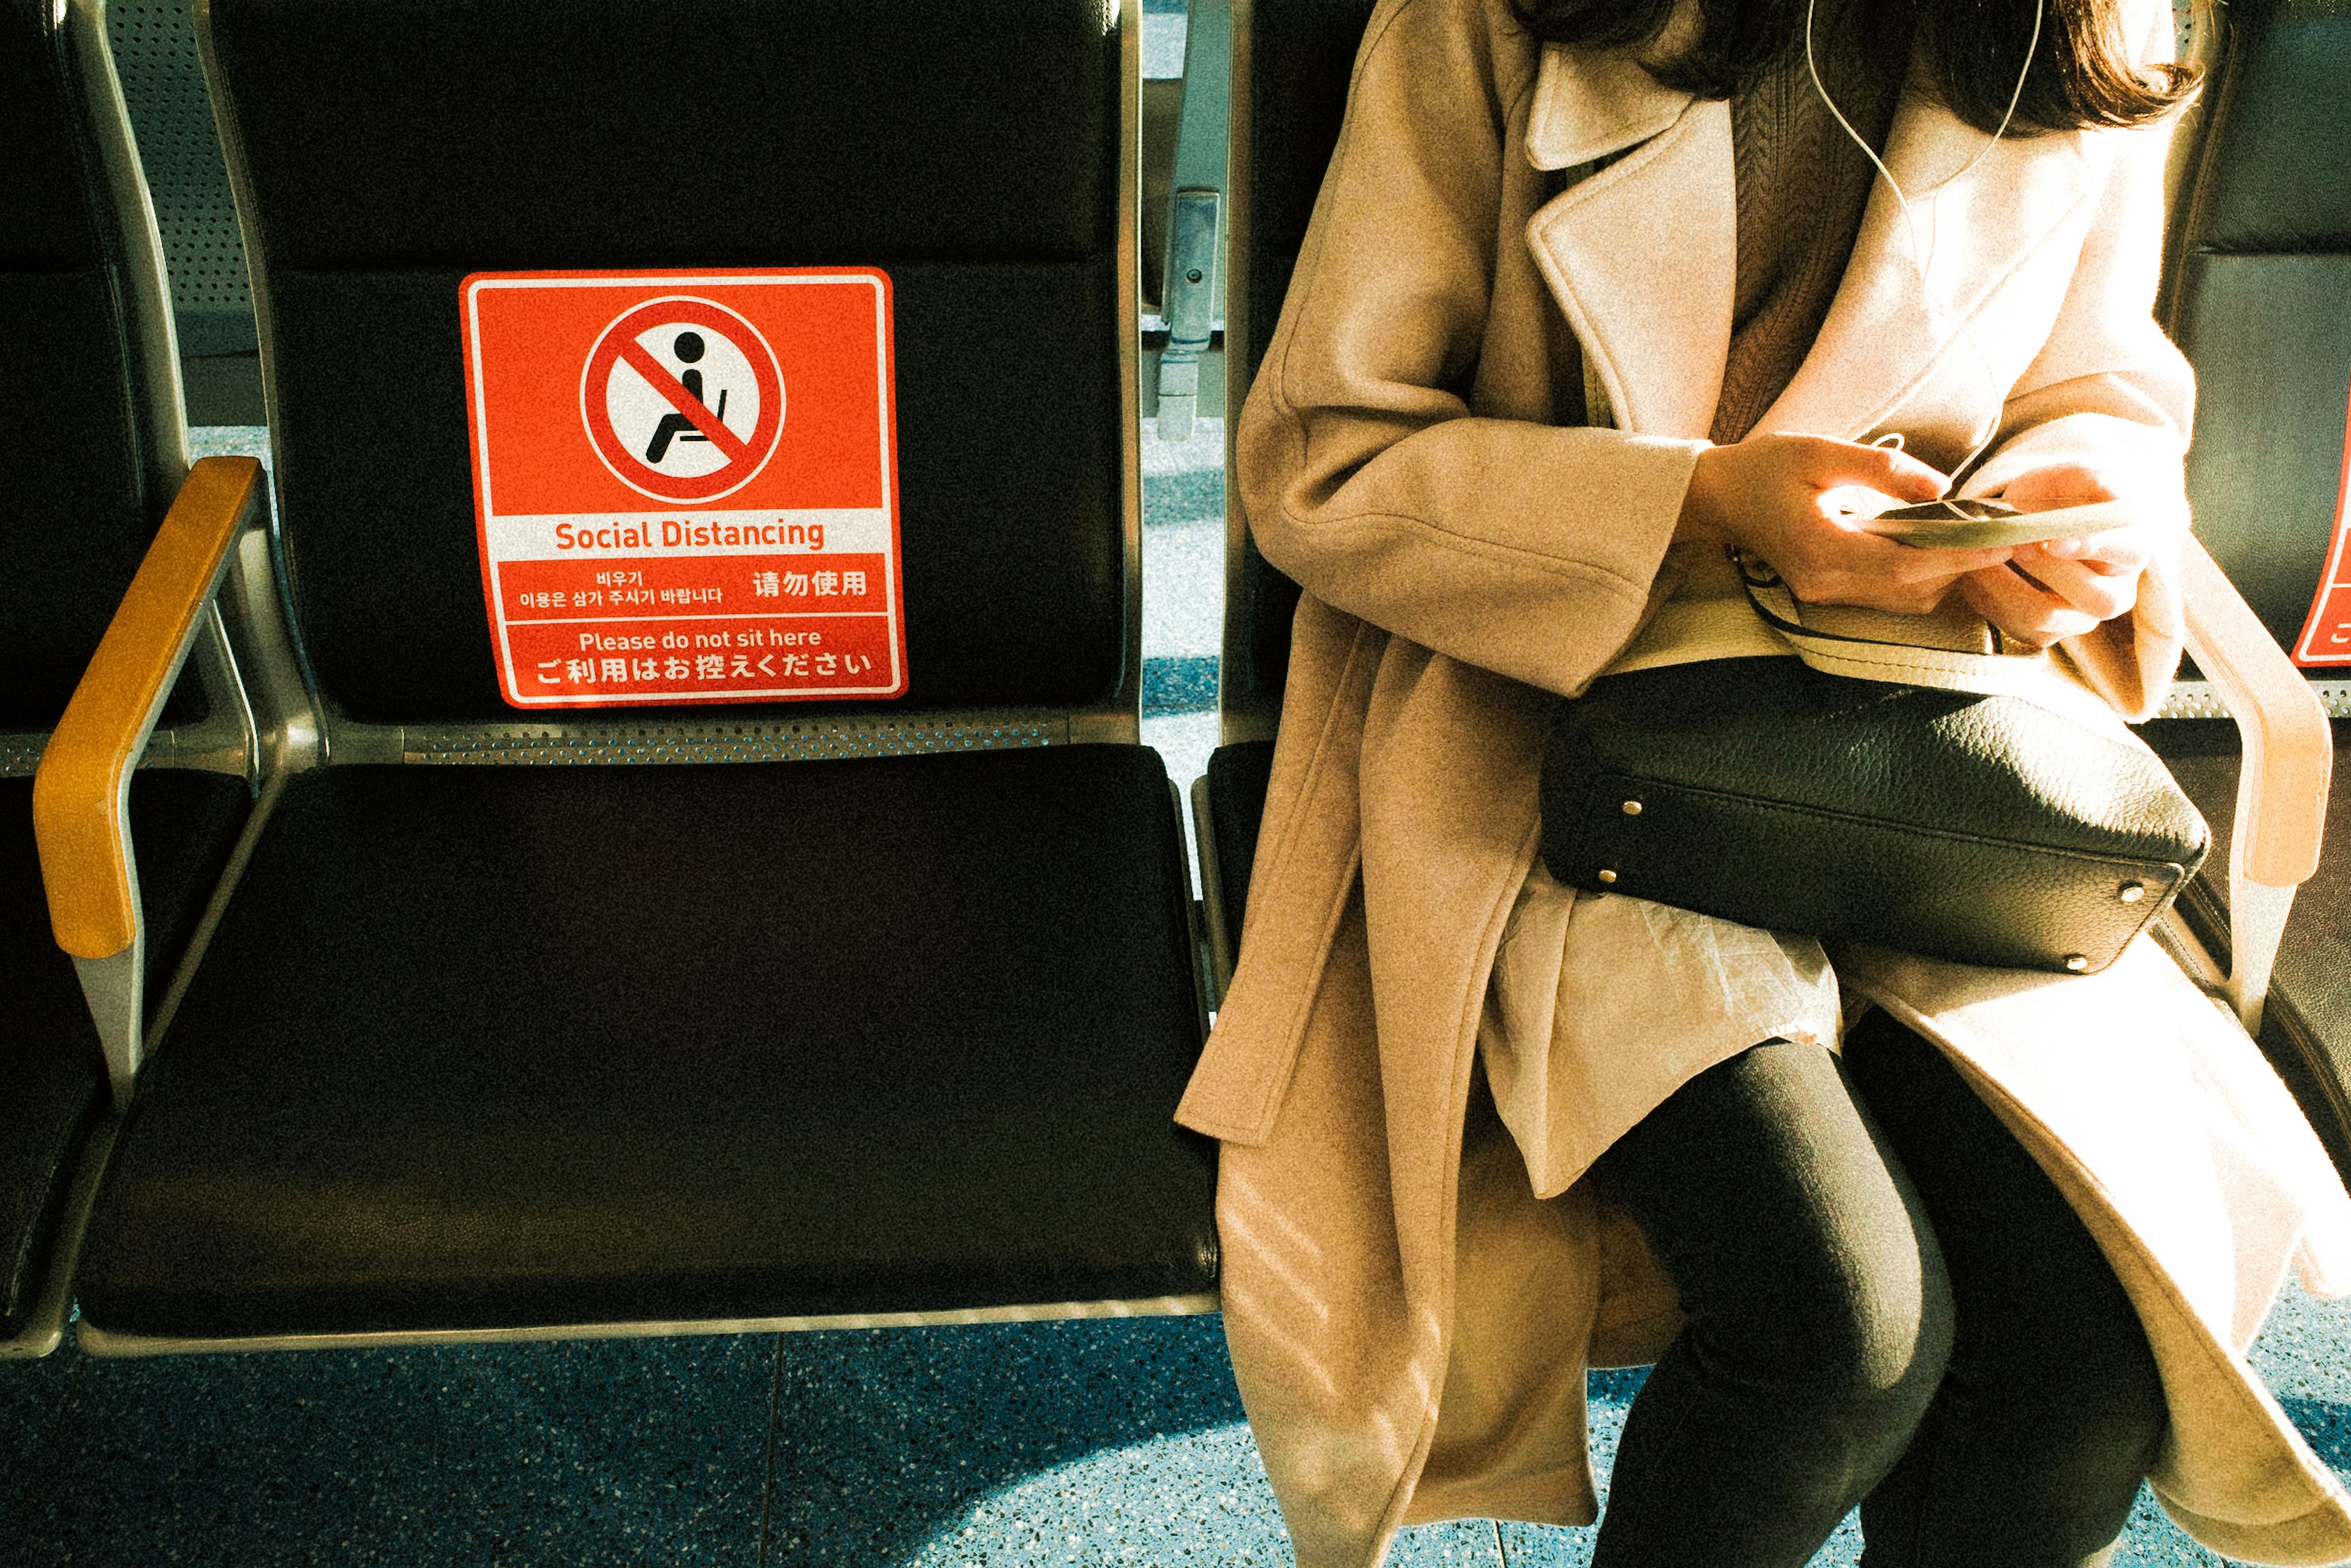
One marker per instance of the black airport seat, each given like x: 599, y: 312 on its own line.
x: 86, y: 386
x: 883, y: 1021
x: 2258, y: 293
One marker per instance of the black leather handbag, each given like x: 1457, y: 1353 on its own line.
x: 1987, y: 829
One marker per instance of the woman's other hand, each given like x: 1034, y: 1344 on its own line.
x: 2065, y: 587
x: 1770, y: 495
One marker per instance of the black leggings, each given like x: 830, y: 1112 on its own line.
x: 1887, y: 1303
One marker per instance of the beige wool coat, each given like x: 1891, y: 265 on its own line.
x: 1410, y: 1327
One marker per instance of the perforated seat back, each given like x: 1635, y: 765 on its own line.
x: 79, y: 509
x: 2260, y: 298
x: 1300, y: 55
x: 970, y: 148
x: 154, y: 44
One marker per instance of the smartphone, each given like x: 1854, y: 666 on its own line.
x: 1958, y: 523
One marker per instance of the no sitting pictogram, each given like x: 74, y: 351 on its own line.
x: 652, y: 528
x: 682, y: 399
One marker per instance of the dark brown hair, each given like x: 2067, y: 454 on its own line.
x: 2082, y: 73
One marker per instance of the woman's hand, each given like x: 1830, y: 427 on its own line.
x: 2065, y: 586
x: 1768, y: 495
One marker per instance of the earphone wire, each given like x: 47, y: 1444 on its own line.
x: 1921, y: 256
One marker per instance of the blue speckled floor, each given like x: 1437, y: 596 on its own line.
x: 1098, y: 1443
x: 1095, y: 1444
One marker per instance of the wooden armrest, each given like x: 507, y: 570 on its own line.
x: 2289, y: 749
x: 2282, y: 783
x: 81, y: 792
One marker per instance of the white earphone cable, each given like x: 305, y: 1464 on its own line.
x: 1921, y: 255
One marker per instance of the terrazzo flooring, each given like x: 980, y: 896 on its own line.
x: 1097, y: 1444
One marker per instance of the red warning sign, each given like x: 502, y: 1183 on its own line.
x: 2325, y: 639
x: 686, y: 487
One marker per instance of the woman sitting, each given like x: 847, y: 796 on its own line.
x: 1595, y: 290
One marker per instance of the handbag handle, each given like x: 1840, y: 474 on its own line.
x: 2031, y: 675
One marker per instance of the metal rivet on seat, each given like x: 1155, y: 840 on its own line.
x: 2076, y: 962
x: 1606, y: 875
x: 1631, y: 808
x: 2133, y: 891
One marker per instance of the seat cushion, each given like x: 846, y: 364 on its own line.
x: 1238, y: 775
x: 516, y: 1047
x: 2307, y: 1030
x: 52, y: 1078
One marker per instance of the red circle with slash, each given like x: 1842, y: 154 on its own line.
x: 618, y: 345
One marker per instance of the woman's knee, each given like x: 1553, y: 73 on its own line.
x: 1808, y: 1271
x: 1860, y: 1341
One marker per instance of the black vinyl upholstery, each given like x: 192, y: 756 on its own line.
x: 1012, y: 567
x: 1301, y: 55
x: 52, y: 1081
x: 481, y: 1048
x: 2259, y: 297
x: 968, y: 148
x: 78, y: 517
x: 2306, y: 1029
x: 1238, y: 775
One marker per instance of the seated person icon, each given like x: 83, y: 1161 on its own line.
x: 688, y: 348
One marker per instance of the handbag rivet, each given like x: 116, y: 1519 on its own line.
x: 1631, y: 808
x: 2133, y: 891
x: 1607, y: 875
x: 2075, y: 962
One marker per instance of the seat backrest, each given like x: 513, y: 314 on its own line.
x: 1292, y: 60
x: 154, y: 44
x: 972, y: 149
x: 88, y: 392
x: 2258, y: 294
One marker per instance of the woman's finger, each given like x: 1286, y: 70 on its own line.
x: 2129, y: 551
x: 1907, y: 563
x: 2022, y: 609
x: 2059, y: 485
x: 2089, y: 587
x: 1836, y: 565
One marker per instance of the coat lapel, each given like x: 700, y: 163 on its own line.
x: 1639, y: 254
x: 1642, y: 258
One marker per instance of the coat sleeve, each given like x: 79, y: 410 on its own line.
x: 2110, y: 391
x: 1511, y: 544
